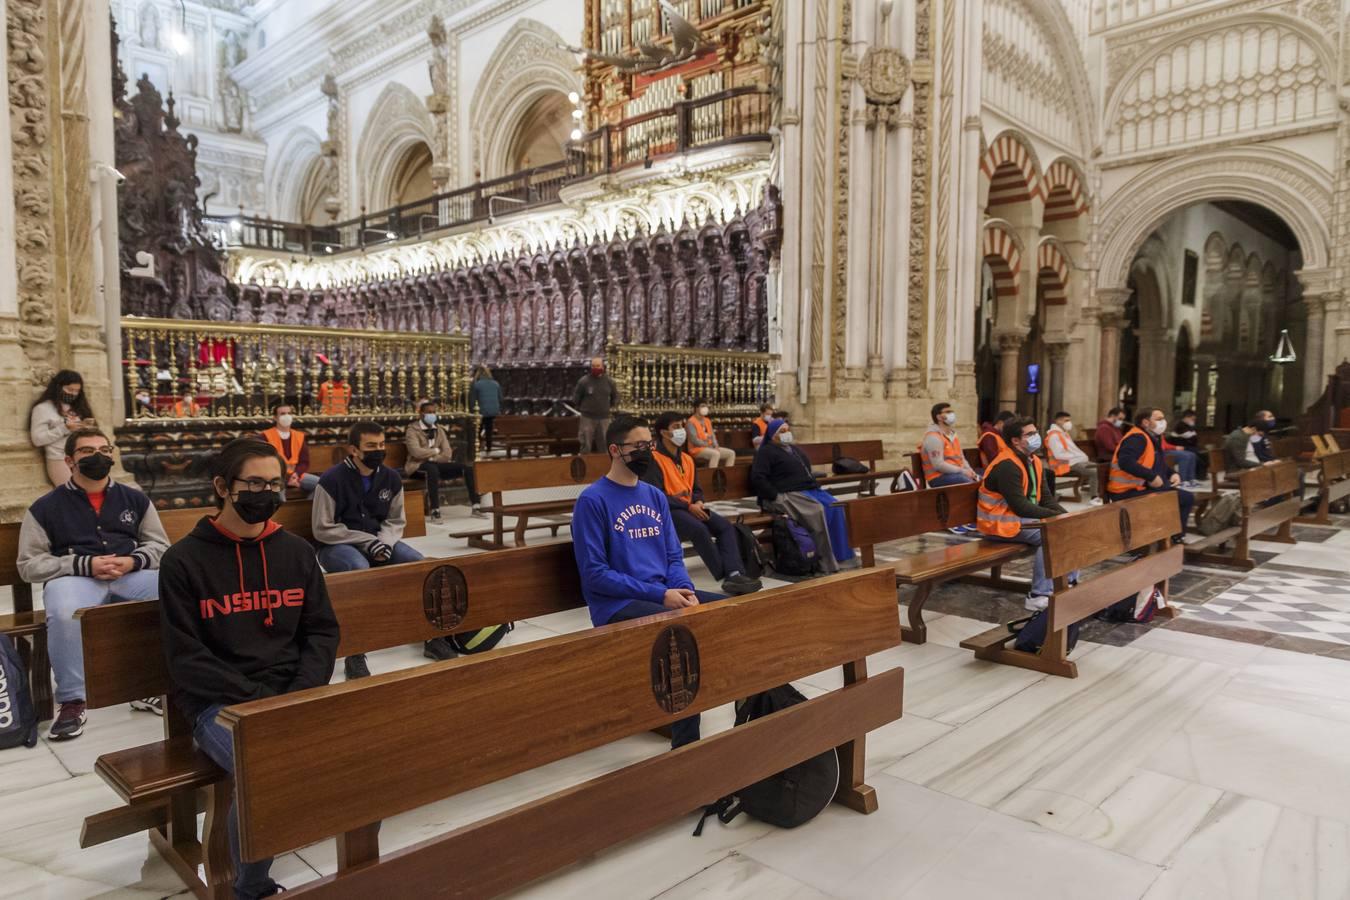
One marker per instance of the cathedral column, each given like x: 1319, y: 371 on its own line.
x: 1112, y: 318
x: 1203, y: 365
x: 1057, y: 352
x: 1157, y: 368
x: 1313, y: 376
x: 1009, y: 362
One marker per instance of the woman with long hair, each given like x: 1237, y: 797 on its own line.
x: 62, y: 410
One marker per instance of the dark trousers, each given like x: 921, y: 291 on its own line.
x: 487, y: 431
x: 1185, y: 500
x: 436, y: 472
x: 714, y: 541
x: 685, y: 731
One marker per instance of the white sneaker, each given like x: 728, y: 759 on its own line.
x: 1095, y: 501
x: 1036, y: 603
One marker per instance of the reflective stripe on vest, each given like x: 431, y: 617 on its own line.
x: 1122, y: 482
x: 297, y: 441
x: 951, y: 454
x: 679, y: 484
x: 993, y: 514
x: 1058, y: 465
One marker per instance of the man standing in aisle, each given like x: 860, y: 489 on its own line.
x: 595, y: 398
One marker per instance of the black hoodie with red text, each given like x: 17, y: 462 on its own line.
x: 243, y: 619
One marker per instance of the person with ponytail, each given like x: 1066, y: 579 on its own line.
x: 62, y: 410
x: 244, y: 615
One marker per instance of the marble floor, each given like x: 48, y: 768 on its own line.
x: 1198, y: 758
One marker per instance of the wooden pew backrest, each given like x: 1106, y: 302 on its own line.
x: 1267, y: 482
x: 875, y: 520
x: 1079, y: 540
x: 499, y: 475
x: 725, y: 482
x: 9, y: 554
x: 549, y: 700
x: 376, y: 609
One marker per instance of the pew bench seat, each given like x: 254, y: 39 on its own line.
x: 930, y: 569
x: 154, y: 772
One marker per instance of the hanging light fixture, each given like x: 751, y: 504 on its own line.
x: 1284, y: 349
x: 179, y: 42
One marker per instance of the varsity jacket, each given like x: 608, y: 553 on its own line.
x: 61, y: 534
x: 344, y: 512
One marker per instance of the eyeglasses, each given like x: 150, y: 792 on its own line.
x: 258, y: 485
x: 640, y: 445
x: 82, y: 452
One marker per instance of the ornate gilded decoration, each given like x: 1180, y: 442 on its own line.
x: 884, y: 75
x: 919, y: 204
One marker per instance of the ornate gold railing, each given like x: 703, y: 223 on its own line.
x: 228, y: 371
x: 655, y: 379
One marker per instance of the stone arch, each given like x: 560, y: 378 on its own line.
x: 1216, y: 247
x: 1052, y: 273
x: 1011, y: 176
x: 527, y: 65
x: 287, y: 171
x: 398, y: 122
x: 1002, y: 252
x: 1065, y: 195
x: 1283, y: 182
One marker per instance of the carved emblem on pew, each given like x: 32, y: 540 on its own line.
x: 445, y: 597
x: 578, y: 470
x: 1125, y: 526
x: 944, y: 509
x: 675, y: 674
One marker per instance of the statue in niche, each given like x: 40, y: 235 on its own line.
x: 596, y: 342
x: 231, y: 105
x: 681, y: 316
x: 576, y: 324
x: 557, y: 330
x: 524, y: 327
x: 616, y: 317
x: 543, y: 337
x: 232, y: 51
x: 658, y: 321
x: 637, y: 303
x: 730, y: 318
x: 703, y: 312
x: 218, y: 305
x: 149, y: 26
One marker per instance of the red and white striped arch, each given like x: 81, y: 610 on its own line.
x: 1064, y: 194
x: 1052, y: 273
x: 1004, y: 257
x: 1009, y: 167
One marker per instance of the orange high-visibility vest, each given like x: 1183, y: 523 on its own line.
x: 1122, y: 482
x: 703, y: 428
x: 761, y: 425
x: 334, y: 398
x: 679, y: 476
x: 185, y: 409
x: 1057, y: 465
x: 951, y: 454
x: 994, y: 515
x: 297, y: 441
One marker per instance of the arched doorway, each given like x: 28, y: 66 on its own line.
x: 412, y: 176
x: 542, y: 133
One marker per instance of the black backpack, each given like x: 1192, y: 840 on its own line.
x: 847, y: 465
x: 480, y: 641
x: 1136, y: 608
x: 1031, y: 632
x: 794, y: 551
x: 751, y: 554
x: 793, y: 796
x: 18, y: 717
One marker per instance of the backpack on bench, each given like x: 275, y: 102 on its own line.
x: 1224, y: 512
x: 752, y: 556
x: 18, y: 717
x: 793, y: 796
x: 1031, y: 633
x: 1138, y: 608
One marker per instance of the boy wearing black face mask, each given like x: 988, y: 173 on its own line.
x: 88, y: 542
x: 244, y: 615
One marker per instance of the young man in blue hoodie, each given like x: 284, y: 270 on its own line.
x: 628, y: 554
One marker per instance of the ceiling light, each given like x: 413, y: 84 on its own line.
x: 576, y: 134
x: 577, y: 114
x: 179, y: 43
x: 391, y: 235
x: 574, y: 98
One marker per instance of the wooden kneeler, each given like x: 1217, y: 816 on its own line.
x: 1073, y: 543
x: 337, y: 760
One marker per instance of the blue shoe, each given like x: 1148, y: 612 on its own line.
x: 961, y: 529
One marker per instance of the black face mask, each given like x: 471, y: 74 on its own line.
x: 69, y: 397
x: 639, y: 461
x: 255, y: 508
x: 96, y: 467
x: 373, y: 459
x: 1266, y: 424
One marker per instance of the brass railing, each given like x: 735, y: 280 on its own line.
x: 653, y: 380
x: 227, y: 371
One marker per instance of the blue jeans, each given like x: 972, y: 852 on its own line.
x: 1040, y: 585
x: 1185, y: 462
x: 685, y: 731
x: 950, y: 478
x: 61, y: 597
x: 308, y: 482
x: 251, y: 880
x: 346, y: 557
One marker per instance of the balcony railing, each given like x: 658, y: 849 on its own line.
x: 652, y: 379
x: 729, y: 117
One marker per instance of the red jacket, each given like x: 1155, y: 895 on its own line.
x: 1106, y: 439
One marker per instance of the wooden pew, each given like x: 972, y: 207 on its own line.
x: 553, y: 699
x: 296, y: 516
x: 497, y: 476
x: 26, y: 627
x: 1270, y: 502
x: 893, y: 517
x: 1333, y: 485
x: 867, y: 452
x: 972, y: 455
x: 376, y: 609
x: 1076, y: 541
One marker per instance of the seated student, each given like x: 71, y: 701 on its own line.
x: 1014, y: 492
x: 703, y: 440
x: 1066, y: 458
x: 1264, y: 420
x: 1107, y: 436
x: 629, y: 557
x: 1140, y: 466
x: 293, y: 448
x: 1239, y: 447
x: 431, y: 457
x: 991, y: 437
x: 221, y: 650
x: 782, y: 479
x: 944, y: 463
x: 1184, y: 436
x: 761, y: 425
x: 88, y: 542
x: 712, y: 536
x: 358, y: 521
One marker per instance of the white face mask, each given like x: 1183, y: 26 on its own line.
x: 949, y: 418
x: 1068, y: 427
x: 677, y: 437
x: 284, y: 422
x: 785, y: 437
x: 429, y: 418
x: 1160, y: 426
x: 703, y: 411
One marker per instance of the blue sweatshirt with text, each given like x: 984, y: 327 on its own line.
x: 626, y: 547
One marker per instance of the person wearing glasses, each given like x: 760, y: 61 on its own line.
x: 88, y: 542
x: 623, y: 536
x: 244, y: 614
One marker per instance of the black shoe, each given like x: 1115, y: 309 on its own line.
x: 355, y: 667
x: 438, y: 649
x: 69, y: 722
x: 435, y: 515
x: 741, y: 584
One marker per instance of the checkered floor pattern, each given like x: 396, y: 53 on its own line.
x: 1314, y: 606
